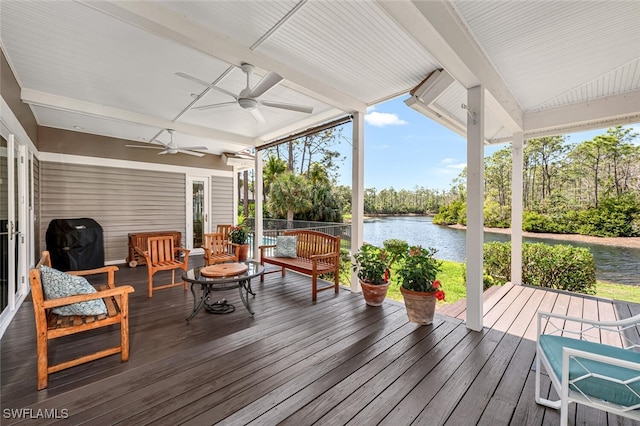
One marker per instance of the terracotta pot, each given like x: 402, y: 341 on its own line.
x: 374, y: 294
x: 243, y: 252
x: 420, y: 305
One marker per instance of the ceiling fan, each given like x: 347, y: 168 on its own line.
x: 172, y: 147
x: 247, y: 98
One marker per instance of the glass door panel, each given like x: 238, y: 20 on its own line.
x: 4, y: 224
x: 197, y: 212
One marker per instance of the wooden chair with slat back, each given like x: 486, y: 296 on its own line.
x: 218, y: 250
x: 224, y: 230
x: 50, y: 326
x: 162, y: 255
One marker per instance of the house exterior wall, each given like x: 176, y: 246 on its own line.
x: 221, y: 201
x: 138, y: 191
x: 10, y: 92
x: 121, y: 200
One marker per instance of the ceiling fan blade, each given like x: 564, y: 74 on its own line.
x: 144, y: 146
x: 267, y: 82
x: 257, y: 115
x: 204, y: 83
x: 166, y: 151
x: 197, y: 148
x: 205, y: 107
x: 195, y: 154
x: 290, y: 107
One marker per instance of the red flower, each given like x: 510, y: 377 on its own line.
x: 435, y: 284
x: 439, y: 295
x: 386, y: 275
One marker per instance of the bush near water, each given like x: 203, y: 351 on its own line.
x: 561, y: 267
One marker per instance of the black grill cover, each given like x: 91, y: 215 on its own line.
x: 75, y: 244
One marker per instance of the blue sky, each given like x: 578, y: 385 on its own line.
x: 405, y: 149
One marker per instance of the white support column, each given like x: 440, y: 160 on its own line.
x: 516, y: 207
x: 357, y: 190
x: 259, y: 197
x: 475, y: 201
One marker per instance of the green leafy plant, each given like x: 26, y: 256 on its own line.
x: 239, y: 234
x: 418, y: 270
x: 556, y: 266
x: 372, y: 264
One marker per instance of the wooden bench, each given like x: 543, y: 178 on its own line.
x: 138, y: 241
x: 50, y: 326
x: 317, y: 253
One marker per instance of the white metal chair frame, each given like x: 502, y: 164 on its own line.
x: 569, y: 390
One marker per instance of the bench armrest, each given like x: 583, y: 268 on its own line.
x: 264, y: 248
x: 324, y: 256
x: 141, y: 252
x: 110, y: 270
x: 118, y: 291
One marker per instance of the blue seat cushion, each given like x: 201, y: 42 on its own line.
x: 57, y: 284
x: 593, y: 386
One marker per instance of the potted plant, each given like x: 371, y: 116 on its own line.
x: 239, y: 237
x: 418, y: 283
x: 373, y: 264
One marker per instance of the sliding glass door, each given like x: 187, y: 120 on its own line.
x: 12, y: 239
x: 197, y: 194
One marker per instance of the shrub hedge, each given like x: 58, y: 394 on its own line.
x: 559, y: 266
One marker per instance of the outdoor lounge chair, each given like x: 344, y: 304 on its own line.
x: 217, y: 249
x: 162, y: 255
x: 584, y: 370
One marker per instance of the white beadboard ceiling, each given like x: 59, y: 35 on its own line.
x: 109, y: 68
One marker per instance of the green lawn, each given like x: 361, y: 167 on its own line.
x: 452, y: 278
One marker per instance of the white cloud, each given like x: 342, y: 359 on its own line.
x: 452, y: 163
x: 381, y: 119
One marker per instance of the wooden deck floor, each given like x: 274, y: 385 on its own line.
x: 296, y: 362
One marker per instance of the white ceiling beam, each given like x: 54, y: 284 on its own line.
x: 301, y: 125
x: 150, y: 16
x: 439, y: 29
x: 613, y: 109
x: 47, y: 100
x: 597, y: 114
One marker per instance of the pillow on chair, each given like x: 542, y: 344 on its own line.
x: 286, y: 246
x: 56, y: 284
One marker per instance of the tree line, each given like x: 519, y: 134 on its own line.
x: 591, y: 187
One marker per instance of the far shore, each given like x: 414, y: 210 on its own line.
x: 628, y: 242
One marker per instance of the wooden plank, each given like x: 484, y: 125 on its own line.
x: 376, y: 362
x: 335, y: 361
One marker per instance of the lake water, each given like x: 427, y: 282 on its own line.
x: 614, y: 264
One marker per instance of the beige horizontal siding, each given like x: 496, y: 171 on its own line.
x: 121, y: 200
x: 221, y: 200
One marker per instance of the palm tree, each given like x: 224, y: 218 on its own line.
x: 273, y: 167
x: 288, y: 194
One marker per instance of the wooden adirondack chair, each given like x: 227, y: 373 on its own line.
x: 50, y: 326
x: 217, y: 249
x: 162, y: 255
